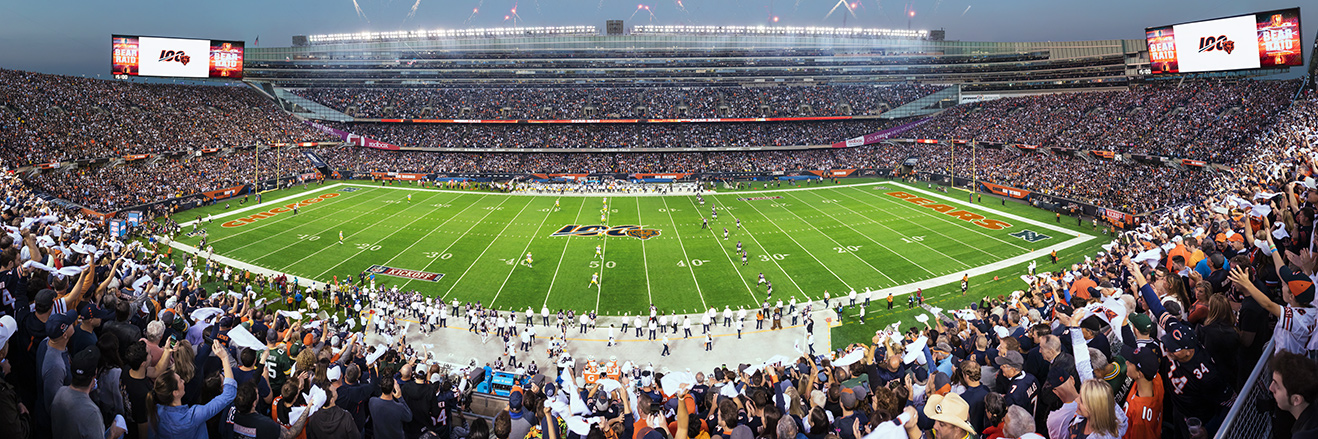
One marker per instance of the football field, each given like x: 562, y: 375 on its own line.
x: 472, y: 246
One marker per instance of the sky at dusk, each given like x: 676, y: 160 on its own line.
x: 73, y: 37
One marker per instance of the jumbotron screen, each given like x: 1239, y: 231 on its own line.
x: 176, y: 57
x: 1227, y: 43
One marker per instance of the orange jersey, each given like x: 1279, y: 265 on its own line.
x: 1145, y: 414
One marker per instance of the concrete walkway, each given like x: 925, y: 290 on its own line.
x: 458, y: 346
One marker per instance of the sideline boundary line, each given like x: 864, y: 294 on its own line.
x: 1079, y: 237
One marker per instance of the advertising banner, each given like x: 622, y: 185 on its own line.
x: 226, y: 59
x: 669, y: 176
x: 830, y: 173
x: 879, y: 136
x: 118, y: 228
x: 397, y: 176
x: 1115, y: 217
x: 173, y: 57
x: 134, y: 55
x: 353, y: 139
x: 1007, y: 191
x: 1262, y: 40
x: 225, y: 193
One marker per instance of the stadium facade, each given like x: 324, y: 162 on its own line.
x: 691, y: 56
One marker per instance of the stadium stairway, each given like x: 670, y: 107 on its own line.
x: 308, y: 108
x: 926, y: 105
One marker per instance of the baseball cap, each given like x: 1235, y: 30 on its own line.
x: 942, y: 384
x: 515, y: 401
x: 83, y: 364
x: 58, y: 323
x: 1142, y: 323
x: 1092, y: 323
x: 1144, y: 359
x: 1010, y: 358
x: 89, y: 310
x: 848, y: 399
x: 861, y: 391
x: 45, y: 297
x: 7, y: 328
x: 921, y: 374
x: 1301, y: 286
x: 740, y: 432
x: 1063, y: 367
x: 1178, y: 337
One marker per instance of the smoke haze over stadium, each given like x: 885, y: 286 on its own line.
x: 54, y: 37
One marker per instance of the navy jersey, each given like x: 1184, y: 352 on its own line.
x: 1198, y: 388
x: 1023, y: 390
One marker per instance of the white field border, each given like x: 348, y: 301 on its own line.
x: 1078, y: 238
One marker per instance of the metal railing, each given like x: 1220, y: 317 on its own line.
x: 1244, y: 420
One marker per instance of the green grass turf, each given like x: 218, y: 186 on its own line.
x: 833, y: 238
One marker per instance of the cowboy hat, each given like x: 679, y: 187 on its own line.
x: 950, y: 409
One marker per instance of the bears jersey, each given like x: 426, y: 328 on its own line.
x: 1144, y: 414
x: 1295, y: 328
x: 1198, y: 387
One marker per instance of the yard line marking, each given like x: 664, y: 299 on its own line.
x: 644, y: 261
x: 798, y: 244
x: 862, y: 260
x: 432, y: 230
x: 775, y: 261
x: 566, y: 241
x: 922, y: 267
x: 703, y: 305
x: 949, y: 220
x: 463, y: 235
x: 409, y: 247
x: 604, y: 249
x: 327, y: 247
x: 340, y: 224
x: 754, y: 300
x: 258, y: 241
x: 519, y: 255
x: 487, y: 248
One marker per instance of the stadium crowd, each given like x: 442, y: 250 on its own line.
x: 45, y: 118
x: 1127, y: 186
x: 605, y: 136
x: 1151, y: 338
x: 1203, y: 120
x: 110, y: 187
x: 610, y: 103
